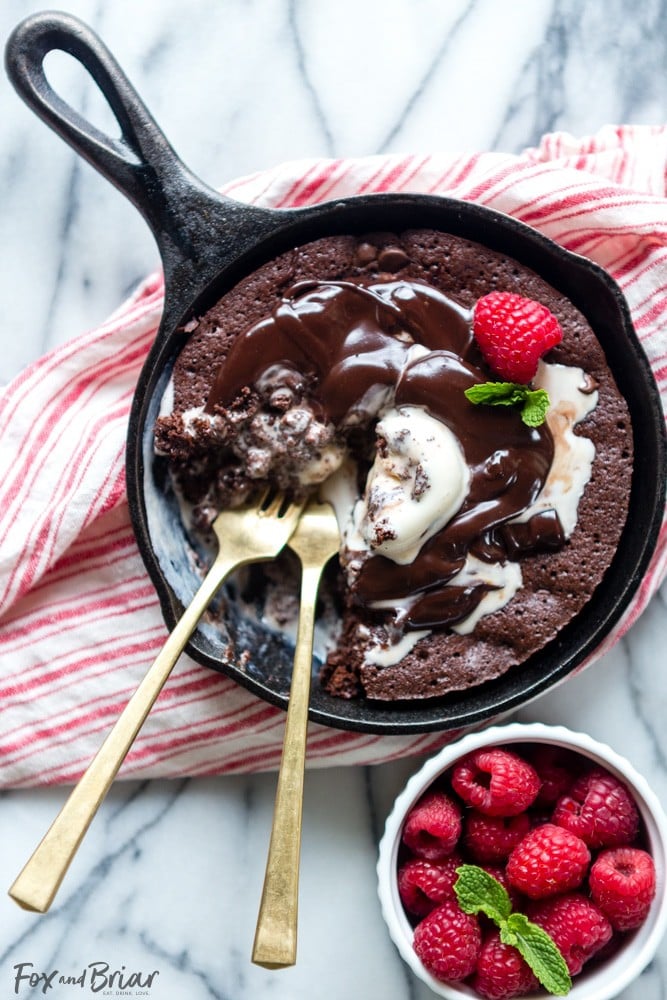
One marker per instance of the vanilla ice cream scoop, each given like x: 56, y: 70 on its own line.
x: 417, y: 483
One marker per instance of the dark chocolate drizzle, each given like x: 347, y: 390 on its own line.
x: 343, y: 339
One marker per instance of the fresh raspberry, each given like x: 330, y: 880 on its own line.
x: 576, y: 925
x: 423, y: 885
x: 433, y: 826
x: 513, y: 333
x: 448, y: 942
x: 497, y: 782
x: 599, y: 809
x: 501, y: 972
x: 557, y: 769
x: 622, y: 884
x: 548, y: 860
x: 493, y: 838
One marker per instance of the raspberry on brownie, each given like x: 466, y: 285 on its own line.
x: 513, y: 333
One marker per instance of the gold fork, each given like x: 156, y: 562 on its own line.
x: 251, y: 534
x: 315, y: 541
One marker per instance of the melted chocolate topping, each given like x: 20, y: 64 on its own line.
x: 343, y: 339
x: 346, y: 336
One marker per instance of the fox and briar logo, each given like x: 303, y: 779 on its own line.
x: 97, y: 977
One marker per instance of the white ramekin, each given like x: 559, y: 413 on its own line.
x: 603, y: 981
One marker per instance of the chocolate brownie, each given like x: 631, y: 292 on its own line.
x: 319, y: 366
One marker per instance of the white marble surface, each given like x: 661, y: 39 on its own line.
x: 169, y: 875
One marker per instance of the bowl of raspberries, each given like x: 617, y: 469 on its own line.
x: 525, y: 861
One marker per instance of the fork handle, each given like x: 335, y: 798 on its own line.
x: 39, y: 880
x: 276, y: 933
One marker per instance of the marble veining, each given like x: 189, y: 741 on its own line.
x: 168, y: 878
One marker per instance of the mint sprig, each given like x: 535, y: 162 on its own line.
x: 539, y: 951
x: 477, y: 891
x: 534, y: 403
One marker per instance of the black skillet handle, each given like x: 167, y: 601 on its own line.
x: 186, y: 217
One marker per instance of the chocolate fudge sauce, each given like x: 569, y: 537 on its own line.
x: 338, y: 342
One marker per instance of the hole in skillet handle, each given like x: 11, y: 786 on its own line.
x: 207, y: 243
x: 196, y: 229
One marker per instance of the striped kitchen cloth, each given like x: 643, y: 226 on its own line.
x: 79, y: 620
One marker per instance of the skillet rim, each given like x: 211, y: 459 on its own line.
x: 569, y: 273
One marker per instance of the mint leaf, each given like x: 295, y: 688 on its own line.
x: 477, y: 890
x: 539, y: 951
x: 535, y: 408
x: 496, y: 393
x: 534, y: 403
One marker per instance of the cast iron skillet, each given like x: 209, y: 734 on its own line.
x: 207, y: 243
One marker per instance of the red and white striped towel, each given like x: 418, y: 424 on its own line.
x: 79, y: 620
